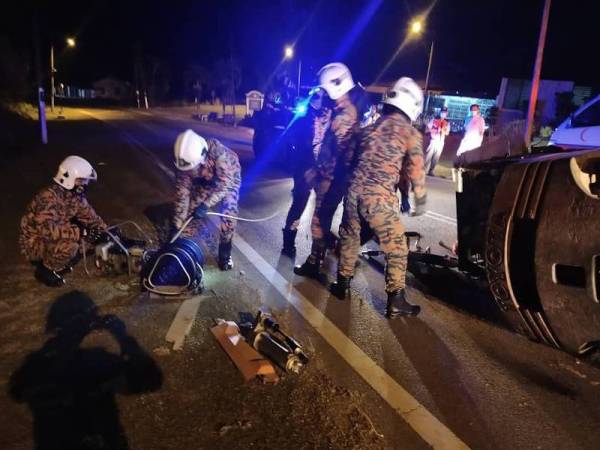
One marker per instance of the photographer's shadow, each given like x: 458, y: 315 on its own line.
x: 71, y: 390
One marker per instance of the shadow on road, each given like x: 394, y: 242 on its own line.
x: 71, y: 389
x: 442, y: 377
x: 460, y: 291
x: 453, y: 288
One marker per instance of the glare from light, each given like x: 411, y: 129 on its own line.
x: 416, y: 26
x: 71, y: 42
x: 301, y: 109
x: 288, y: 52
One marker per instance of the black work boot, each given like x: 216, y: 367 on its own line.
x: 398, y: 306
x: 309, y: 269
x: 341, y: 288
x: 224, y: 260
x: 48, y: 276
x: 289, y: 242
x: 312, y: 266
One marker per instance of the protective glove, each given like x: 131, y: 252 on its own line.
x: 96, y: 235
x: 200, y: 211
x: 420, y: 205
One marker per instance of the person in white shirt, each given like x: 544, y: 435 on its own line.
x: 473, y: 132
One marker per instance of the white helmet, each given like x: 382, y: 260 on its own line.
x: 407, y: 96
x: 336, y: 79
x: 190, y: 150
x: 73, y: 168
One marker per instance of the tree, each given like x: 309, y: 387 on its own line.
x: 228, y: 75
x: 13, y: 73
x: 160, y: 78
x: 197, y: 82
x: 152, y: 75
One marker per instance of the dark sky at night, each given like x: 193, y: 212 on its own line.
x: 476, y: 42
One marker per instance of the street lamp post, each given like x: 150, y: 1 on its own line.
x: 299, y: 75
x: 70, y: 43
x: 288, y: 53
x: 427, y: 77
x: 416, y: 29
x: 52, y: 71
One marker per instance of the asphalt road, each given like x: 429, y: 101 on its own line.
x: 453, y: 377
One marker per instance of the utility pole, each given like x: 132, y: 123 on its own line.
x: 38, y: 72
x: 139, y: 73
x: 299, y: 75
x: 232, y: 86
x: 232, y: 76
x: 427, y: 77
x: 535, y: 82
x: 52, y: 72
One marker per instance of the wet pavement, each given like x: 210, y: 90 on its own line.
x: 454, y: 377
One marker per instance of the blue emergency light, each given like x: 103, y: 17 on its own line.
x: 301, y: 107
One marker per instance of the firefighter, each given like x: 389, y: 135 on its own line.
x: 57, y: 219
x: 330, y: 173
x: 209, y: 174
x: 307, y: 134
x: 385, y: 148
x: 438, y: 129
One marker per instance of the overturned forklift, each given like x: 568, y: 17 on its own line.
x: 528, y: 225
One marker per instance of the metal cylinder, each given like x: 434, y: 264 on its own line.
x: 276, y: 352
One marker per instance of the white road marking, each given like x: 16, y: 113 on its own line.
x: 436, y: 178
x: 183, y: 321
x: 439, y: 219
x: 431, y: 430
x: 442, y: 216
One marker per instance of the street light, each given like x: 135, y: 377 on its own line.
x: 416, y: 28
x: 70, y: 43
x: 288, y: 53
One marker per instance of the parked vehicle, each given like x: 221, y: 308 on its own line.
x: 581, y: 129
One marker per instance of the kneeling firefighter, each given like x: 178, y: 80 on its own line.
x: 56, y: 220
x: 385, y: 148
x: 208, y: 174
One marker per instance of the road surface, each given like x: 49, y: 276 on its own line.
x: 446, y: 379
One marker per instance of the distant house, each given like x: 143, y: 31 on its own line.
x: 112, y: 89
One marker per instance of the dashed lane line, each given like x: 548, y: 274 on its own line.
x: 440, y: 218
x: 449, y: 218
